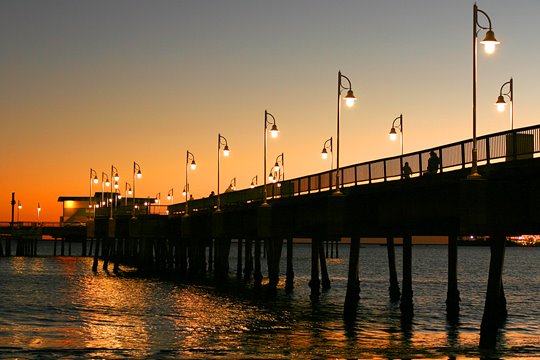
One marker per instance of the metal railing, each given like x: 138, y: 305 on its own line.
x: 503, y: 146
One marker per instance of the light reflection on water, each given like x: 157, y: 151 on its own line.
x: 54, y: 307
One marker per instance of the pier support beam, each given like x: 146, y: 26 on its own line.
x: 452, y: 295
x: 239, y: 261
x: 273, y: 251
x: 248, y: 267
x: 289, y: 282
x: 406, y: 304
x: 314, y: 282
x: 353, y: 282
x: 257, y: 274
x: 96, y: 254
x: 325, y: 279
x: 393, y: 289
x: 495, y: 302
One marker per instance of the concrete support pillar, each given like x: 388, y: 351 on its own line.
x: 353, y: 282
x: 406, y: 306
x: 491, y: 320
x: 289, y: 282
x: 393, y: 289
x: 314, y: 282
x: 325, y: 279
x: 273, y: 251
x: 257, y: 274
x: 248, y: 267
x: 452, y: 295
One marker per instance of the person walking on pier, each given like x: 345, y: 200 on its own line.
x: 433, y: 163
x: 406, y: 171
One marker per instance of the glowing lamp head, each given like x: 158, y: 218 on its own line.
x: 107, y: 183
x: 139, y: 174
x: 276, y: 166
x: 324, y: 154
x: 156, y: 200
x: 116, y: 185
x: 350, y: 98
x: 116, y: 177
x: 95, y: 179
x: 119, y: 197
x: 168, y: 197
x: 252, y: 185
x: 393, y: 134
x: 270, y: 177
x: 193, y: 165
x: 274, y: 131
x: 130, y: 192
x: 501, y: 104
x: 226, y: 150
x: 184, y: 192
x: 490, y: 42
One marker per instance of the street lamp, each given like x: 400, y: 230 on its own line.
x: 157, y: 199
x: 393, y: 133
x: 501, y: 104
x: 19, y: 207
x: 93, y: 180
x: 232, y: 184
x: 104, y: 182
x: 221, y: 141
x: 193, y: 166
x: 254, y: 181
x: 137, y: 174
x: 328, y: 144
x: 274, y: 133
x: 114, y: 175
x: 489, y: 43
x: 277, y: 168
x: 349, y: 101
x: 170, y: 195
x: 128, y: 191
x: 38, y: 211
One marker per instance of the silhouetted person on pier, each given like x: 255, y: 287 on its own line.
x: 433, y: 163
x: 406, y: 171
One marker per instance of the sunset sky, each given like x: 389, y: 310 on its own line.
x: 90, y: 84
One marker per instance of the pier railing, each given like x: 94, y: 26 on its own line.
x: 499, y: 147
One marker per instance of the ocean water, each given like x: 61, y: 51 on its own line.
x: 56, y: 307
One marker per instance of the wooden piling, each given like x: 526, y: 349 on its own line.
x: 452, y: 294
x: 353, y: 282
x: 273, y: 257
x: 239, y: 261
x: 257, y: 274
x: 491, y: 318
x: 325, y: 279
x: 96, y: 255
x: 248, y: 257
x: 314, y: 282
x: 289, y: 280
x: 406, y: 306
x: 393, y: 289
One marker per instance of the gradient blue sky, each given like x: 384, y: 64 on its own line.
x: 88, y: 84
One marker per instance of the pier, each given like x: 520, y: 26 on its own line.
x: 375, y: 201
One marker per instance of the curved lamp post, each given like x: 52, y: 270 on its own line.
x: 254, y: 181
x: 38, y: 211
x: 104, y: 183
x: 489, y: 43
x: 328, y: 146
x: 232, y: 184
x: 221, y: 141
x: 349, y: 101
x: 91, y: 203
x: 193, y: 166
x: 393, y: 132
x: 277, y: 168
x: 137, y: 174
x: 19, y: 207
x: 128, y: 191
x: 114, y: 175
x: 170, y: 195
x: 274, y: 133
x: 157, y: 199
x: 501, y: 104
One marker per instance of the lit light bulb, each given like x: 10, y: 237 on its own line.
x: 324, y: 154
x: 139, y: 174
x: 501, y: 107
x: 393, y: 136
x: 489, y: 47
x: 193, y: 165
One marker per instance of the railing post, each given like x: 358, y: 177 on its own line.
x: 487, y: 150
x: 420, y: 163
x: 355, y: 175
x: 369, y: 172
x: 384, y: 167
x: 440, y: 160
x: 463, y: 155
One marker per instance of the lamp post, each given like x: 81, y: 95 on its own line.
x: 501, y: 104
x: 128, y: 191
x: 193, y: 166
x: 19, y: 207
x: 393, y: 133
x: 104, y: 182
x: 170, y: 195
x: 274, y: 133
x: 157, y: 199
x: 349, y: 101
x: 254, y: 181
x: 221, y: 141
x: 93, y: 180
x: 38, y: 211
x: 277, y: 168
x: 137, y: 174
x: 114, y: 175
x: 232, y: 184
x: 489, y: 43
x: 328, y: 144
